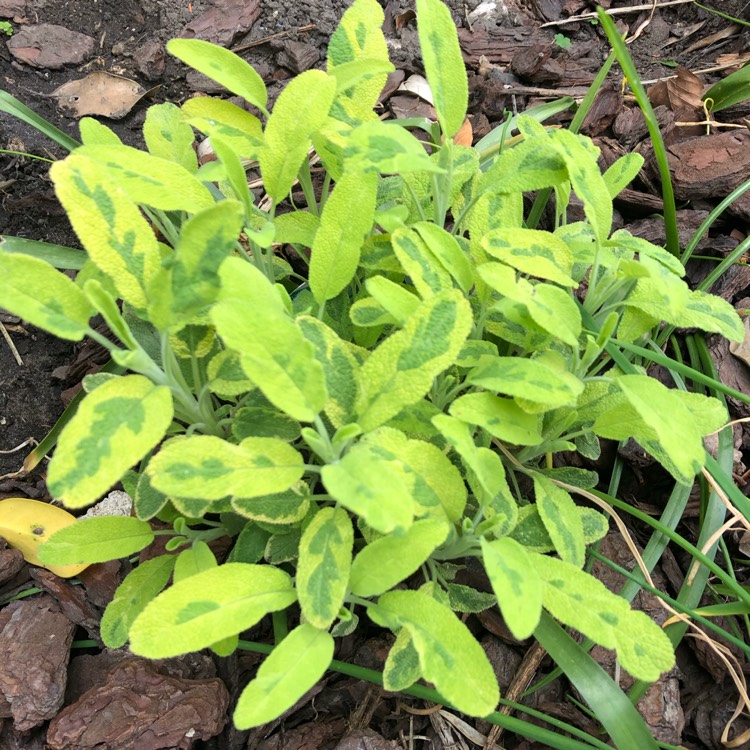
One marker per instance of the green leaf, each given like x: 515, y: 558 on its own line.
x: 273, y: 351
x: 206, y: 239
x: 35, y: 291
x: 388, y: 149
x: 291, y: 669
x: 241, y: 131
x: 300, y: 110
x: 668, y: 433
x: 325, y: 557
x: 419, y: 263
x: 193, y: 560
x: 140, y: 586
x: 398, y: 301
x: 448, y: 253
x: 401, y: 370
x: 586, y: 179
x: 527, y: 379
x: 466, y: 599
x: 169, y: 137
x: 58, y: 256
x: 443, y: 64
x: 97, y: 539
x: 264, y: 421
x: 402, y: 668
x: 209, y: 468
x: 516, y: 584
x: 208, y: 607
x: 282, y: 508
x: 150, y: 180
x: 372, y: 488
x: 115, y: 427
x: 532, y: 252
x: 446, y: 648
x: 147, y: 500
x: 584, y: 603
x: 226, y: 376
x: 250, y: 544
x: 533, y: 535
x: 94, y: 132
x: 387, y: 561
x: 222, y: 66
x: 733, y: 89
x: 346, y: 220
x: 561, y: 519
x: 297, y: 228
x: 711, y: 313
x: 622, y: 173
x: 501, y: 417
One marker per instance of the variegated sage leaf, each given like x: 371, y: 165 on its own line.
x: 53, y: 302
x: 111, y: 228
x: 399, y: 302
x: 516, y: 584
x: 325, y: 557
x: 401, y: 370
x: 448, y: 253
x: 622, y: 173
x: 150, y: 180
x: 115, y: 426
x: 560, y: 516
x: 168, y: 136
x: 208, y: 607
x: 427, y: 274
x: 209, y: 468
x: 222, y: 66
x: 285, y: 507
x: 345, y: 222
x: 273, y: 351
x: 300, y: 110
x: 533, y: 535
x: 443, y: 64
x: 501, y: 417
x: 387, y: 561
x: 291, y: 669
x: 402, y: 667
x: 445, y: 646
x: 236, y: 127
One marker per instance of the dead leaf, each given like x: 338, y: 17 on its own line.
x: 417, y: 85
x: 719, y: 36
x: 99, y: 93
x: 465, y: 135
x: 741, y: 350
x: 403, y: 19
x: 684, y: 90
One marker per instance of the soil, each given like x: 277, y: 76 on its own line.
x: 515, y: 61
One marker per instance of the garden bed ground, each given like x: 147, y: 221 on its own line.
x: 114, y: 701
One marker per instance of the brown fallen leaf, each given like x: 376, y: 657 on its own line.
x: 99, y: 93
x: 684, y: 90
x: 465, y: 135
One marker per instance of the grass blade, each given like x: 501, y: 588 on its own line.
x: 13, y: 106
x: 60, y: 256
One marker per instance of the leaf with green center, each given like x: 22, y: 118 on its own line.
x: 241, y: 131
x: 206, y: 239
x: 711, y: 313
x: 325, y: 557
x: 561, y: 519
x: 623, y: 240
x: 97, y: 539
x: 222, y: 66
x: 533, y: 535
x: 115, y: 427
x: 582, y: 602
x: 446, y: 648
x: 209, y: 468
x: 291, y: 669
x: 501, y: 417
x: 282, y: 508
x: 53, y: 303
x: 586, y: 179
x: 340, y: 367
x: 448, y: 253
x: 208, y: 607
x: 264, y: 421
x: 300, y: 110
x: 371, y: 487
x: 622, y: 173
x: 532, y: 252
x: 443, y: 64
x: 359, y: 36
x: 226, y: 376
x: 527, y: 379
x: 387, y: 561
x: 140, y: 586
x: 110, y: 226
x: 516, y: 584
x: 402, y: 667
x: 468, y: 600
x: 345, y: 222
x: 377, y: 146
x: 150, y: 180
x: 169, y: 137
x: 401, y: 370
x: 273, y: 351
x: 420, y: 264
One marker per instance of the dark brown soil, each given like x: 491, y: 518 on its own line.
x: 688, y: 708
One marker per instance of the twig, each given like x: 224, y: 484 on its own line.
x: 615, y: 12
x: 271, y: 37
x: 10, y: 343
x: 644, y: 25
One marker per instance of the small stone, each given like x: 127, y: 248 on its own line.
x: 150, y: 59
